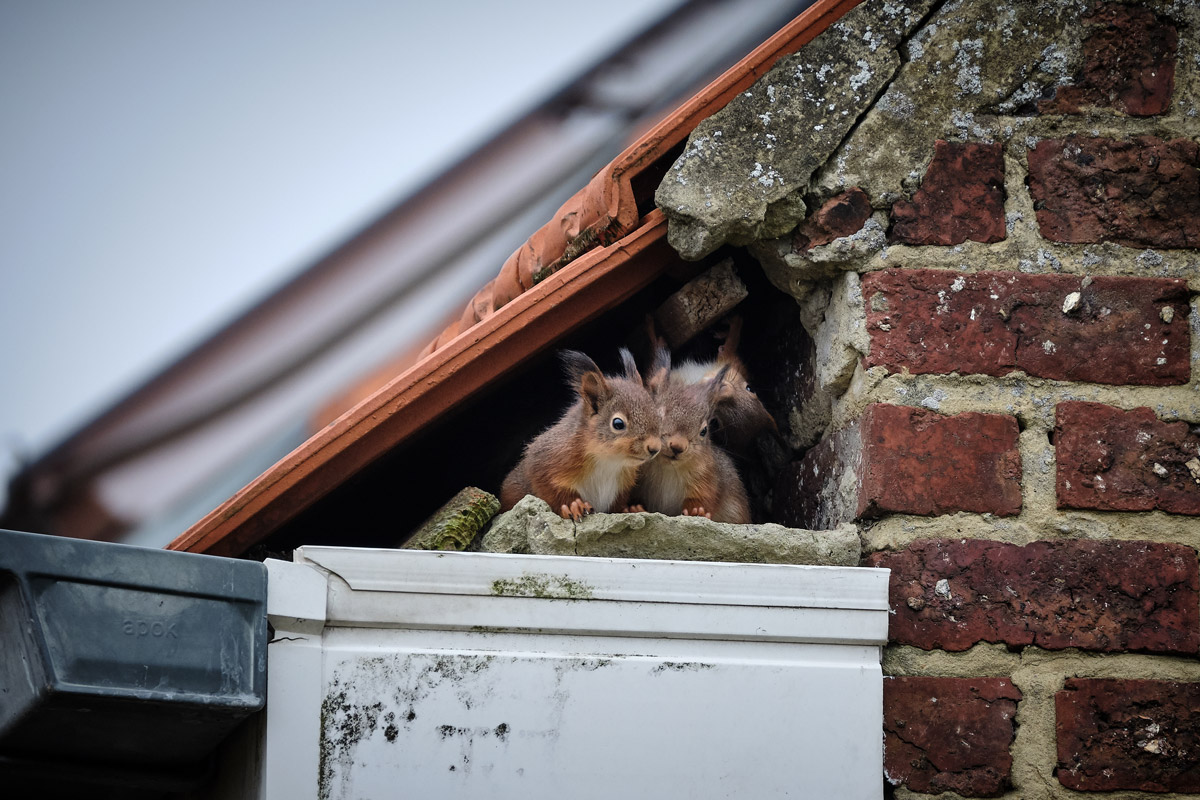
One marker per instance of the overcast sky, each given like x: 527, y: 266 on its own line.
x: 164, y: 164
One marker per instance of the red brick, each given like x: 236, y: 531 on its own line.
x: 841, y: 215
x: 1139, y: 192
x: 1128, y: 734
x: 1128, y: 64
x: 1116, y: 331
x: 1109, y: 596
x: 906, y: 461
x: 961, y: 197
x: 949, y: 734
x: 1115, y: 460
x: 916, y: 461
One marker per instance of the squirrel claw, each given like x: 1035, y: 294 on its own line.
x: 697, y: 511
x: 635, y: 509
x: 576, y: 511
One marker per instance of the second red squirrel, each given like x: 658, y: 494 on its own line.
x: 741, y: 416
x: 691, y: 476
x: 588, y: 460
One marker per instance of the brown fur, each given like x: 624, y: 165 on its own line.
x: 691, y: 476
x: 581, y: 463
x: 741, y: 416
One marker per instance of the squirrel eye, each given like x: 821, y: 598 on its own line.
x: 618, y: 424
x: 748, y: 389
x: 703, y: 431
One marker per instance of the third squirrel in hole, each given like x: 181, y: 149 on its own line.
x: 691, y: 475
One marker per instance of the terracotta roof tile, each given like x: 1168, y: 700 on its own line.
x: 599, y: 234
x: 605, y: 209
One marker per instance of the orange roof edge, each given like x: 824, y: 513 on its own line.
x: 572, y: 269
x: 564, y: 300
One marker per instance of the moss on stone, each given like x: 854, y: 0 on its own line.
x: 455, y: 525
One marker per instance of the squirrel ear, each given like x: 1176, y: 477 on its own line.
x: 586, y: 378
x: 660, y: 370
x: 718, y: 389
x: 631, y: 370
x: 594, y: 390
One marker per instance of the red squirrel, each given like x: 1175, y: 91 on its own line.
x: 741, y: 416
x: 588, y: 460
x: 692, y: 476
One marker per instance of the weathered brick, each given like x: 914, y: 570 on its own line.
x: 1140, y: 192
x: 1115, y: 460
x: 949, y: 734
x: 961, y: 198
x: 1128, y: 64
x: 1109, y: 596
x: 841, y: 215
x: 917, y: 461
x: 1128, y: 734
x: 1102, y: 330
x: 904, y: 460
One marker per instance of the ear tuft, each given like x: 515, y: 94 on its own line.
x: 660, y: 370
x: 586, y: 378
x: 718, y: 388
x: 630, y: 366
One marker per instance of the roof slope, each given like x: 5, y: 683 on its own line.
x: 601, y: 246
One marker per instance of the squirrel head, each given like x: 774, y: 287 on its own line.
x: 619, y: 417
x: 688, y: 409
x: 738, y: 409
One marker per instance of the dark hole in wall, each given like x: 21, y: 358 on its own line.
x: 478, y: 442
x: 645, y: 182
x: 779, y: 356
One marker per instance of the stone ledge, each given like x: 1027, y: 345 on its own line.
x: 531, y: 527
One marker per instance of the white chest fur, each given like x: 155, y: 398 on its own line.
x: 603, y: 483
x: 664, y: 487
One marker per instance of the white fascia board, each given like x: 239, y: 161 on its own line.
x: 684, y: 599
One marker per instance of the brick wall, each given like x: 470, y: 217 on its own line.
x: 1000, y: 264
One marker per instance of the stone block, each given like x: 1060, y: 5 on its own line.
x: 1111, y: 330
x: 744, y: 170
x: 949, y: 734
x: 531, y: 527
x: 1110, y: 596
x: 1114, y: 460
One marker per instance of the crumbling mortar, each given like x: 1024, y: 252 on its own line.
x: 1030, y: 399
x: 898, y: 531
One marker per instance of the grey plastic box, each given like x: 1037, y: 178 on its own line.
x: 119, y: 655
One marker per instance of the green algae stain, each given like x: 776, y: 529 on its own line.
x: 555, y: 587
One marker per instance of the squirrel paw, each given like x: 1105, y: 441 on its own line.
x: 697, y: 511
x: 635, y: 509
x: 576, y: 511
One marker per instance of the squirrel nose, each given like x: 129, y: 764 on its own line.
x: 678, y: 445
x: 653, y: 446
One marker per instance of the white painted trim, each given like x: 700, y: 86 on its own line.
x: 638, y: 580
